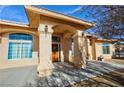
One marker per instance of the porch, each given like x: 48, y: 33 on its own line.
x: 60, y: 43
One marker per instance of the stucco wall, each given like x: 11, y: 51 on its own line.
x: 5, y: 62
x: 99, y: 51
x: 0, y: 49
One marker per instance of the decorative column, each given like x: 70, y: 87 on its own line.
x: 79, y: 50
x: 89, y: 49
x: 93, y: 49
x: 45, y: 66
x: 65, y: 47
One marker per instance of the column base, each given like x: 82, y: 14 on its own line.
x: 45, y: 70
x: 84, y: 66
x: 79, y: 66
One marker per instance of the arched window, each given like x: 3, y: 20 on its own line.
x: 20, y: 36
x: 20, y: 46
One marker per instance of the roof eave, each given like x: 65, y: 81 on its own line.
x: 4, y: 22
x: 59, y: 16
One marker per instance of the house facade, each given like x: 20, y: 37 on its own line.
x: 50, y: 37
x: 98, y: 47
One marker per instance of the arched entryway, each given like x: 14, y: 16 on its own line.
x: 62, y: 43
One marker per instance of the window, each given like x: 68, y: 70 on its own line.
x: 72, y: 47
x: 19, y: 36
x: 106, y: 48
x: 20, y: 46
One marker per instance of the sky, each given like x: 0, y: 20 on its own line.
x: 17, y: 12
x: 13, y: 13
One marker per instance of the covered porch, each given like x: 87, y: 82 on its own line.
x: 63, y: 43
x: 60, y: 43
x: 61, y: 38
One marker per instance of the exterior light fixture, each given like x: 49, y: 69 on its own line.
x: 46, y: 29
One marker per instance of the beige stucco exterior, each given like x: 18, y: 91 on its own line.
x: 5, y: 62
x: 43, y: 25
x: 95, y: 48
x: 99, y: 51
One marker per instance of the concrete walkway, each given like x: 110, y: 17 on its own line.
x: 17, y: 77
x: 63, y: 75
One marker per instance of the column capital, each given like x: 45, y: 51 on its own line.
x: 78, y: 34
x: 45, y: 28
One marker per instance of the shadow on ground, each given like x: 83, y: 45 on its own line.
x: 112, y: 79
x: 95, y: 75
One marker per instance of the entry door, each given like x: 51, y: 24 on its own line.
x: 55, y: 52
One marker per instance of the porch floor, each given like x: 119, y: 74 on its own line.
x: 65, y: 75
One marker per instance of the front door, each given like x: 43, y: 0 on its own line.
x: 55, y: 52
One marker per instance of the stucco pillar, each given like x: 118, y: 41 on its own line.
x: 65, y: 48
x: 45, y: 66
x: 89, y: 48
x: 93, y: 49
x: 4, y: 49
x: 79, y: 50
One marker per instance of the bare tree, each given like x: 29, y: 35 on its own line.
x: 109, y: 20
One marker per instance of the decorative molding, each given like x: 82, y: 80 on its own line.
x: 77, y: 34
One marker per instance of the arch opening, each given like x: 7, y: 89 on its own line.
x: 64, y: 30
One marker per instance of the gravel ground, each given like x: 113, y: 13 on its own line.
x: 96, y: 74
x: 118, y: 61
x: 112, y: 79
